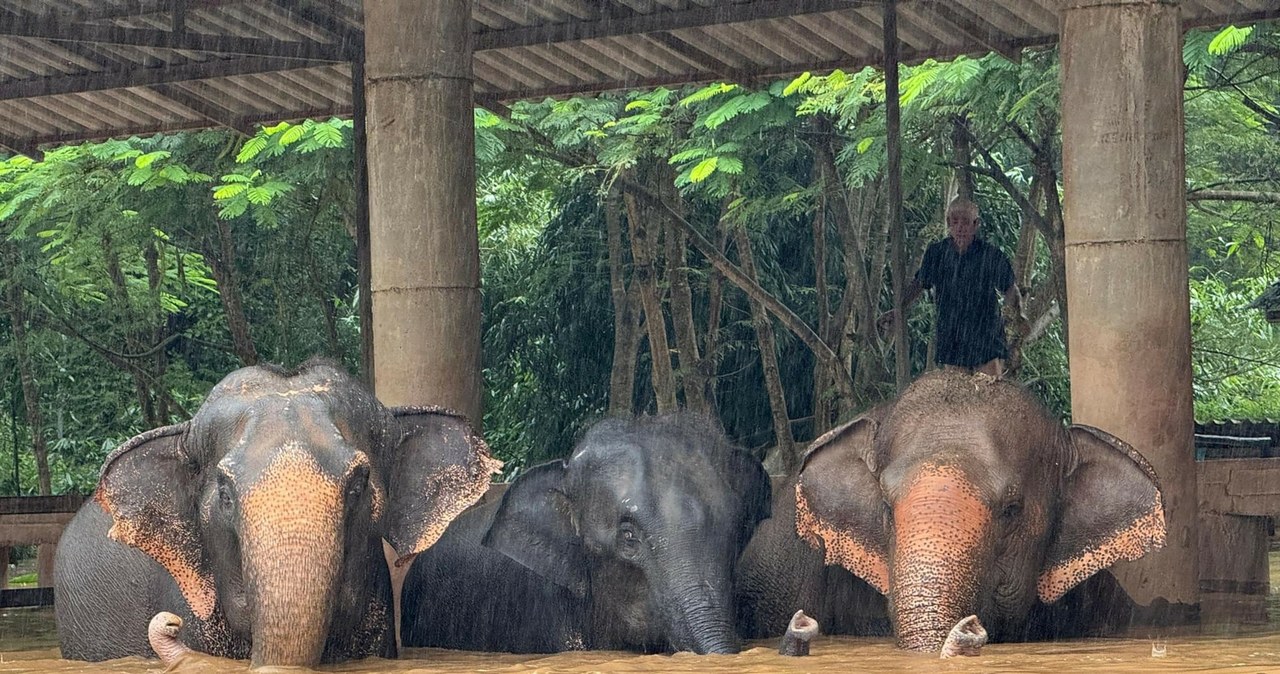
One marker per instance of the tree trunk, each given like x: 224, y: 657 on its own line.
x: 893, y: 197
x: 754, y: 292
x: 963, y: 157
x: 26, y: 374
x: 691, y: 376
x: 715, y: 304
x: 768, y: 361
x: 822, y: 403
x: 642, y: 255
x: 222, y: 264
x: 132, y: 344
x: 159, y: 336
x: 622, y: 377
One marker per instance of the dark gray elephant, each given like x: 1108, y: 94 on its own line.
x: 260, y: 521
x: 630, y: 543
x: 962, y: 497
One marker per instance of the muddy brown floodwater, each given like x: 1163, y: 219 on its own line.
x: 28, y: 644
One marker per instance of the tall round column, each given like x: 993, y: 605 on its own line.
x: 425, y: 255
x: 1130, y: 331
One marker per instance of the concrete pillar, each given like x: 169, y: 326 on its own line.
x: 1126, y: 258
x: 423, y: 247
x: 425, y: 277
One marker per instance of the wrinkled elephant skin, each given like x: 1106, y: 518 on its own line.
x: 965, y: 497
x: 630, y: 543
x: 260, y: 521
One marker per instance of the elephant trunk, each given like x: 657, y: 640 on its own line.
x: 292, y: 536
x: 940, y: 524
x: 702, y: 616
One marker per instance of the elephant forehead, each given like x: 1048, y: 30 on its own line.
x: 257, y: 435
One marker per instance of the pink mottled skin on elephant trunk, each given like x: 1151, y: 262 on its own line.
x: 162, y: 634
x: 293, y: 554
x: 939, y: 521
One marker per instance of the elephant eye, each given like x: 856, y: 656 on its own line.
x: 1011, y: 510
x: 224, y: 495
x: 359, y: 480
x: 628, y: 539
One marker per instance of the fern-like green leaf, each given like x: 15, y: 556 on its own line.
x: 143, y: 161
x: 730, y: 165
x: 225, y: 192
x: 252, y: 148
x: 1229, y: 39
x: 707, y: 93
x: 328, y: 135
x: 738, y: 105
x: 293, y: 135
x: 688, y: 155
x: 704, y: 168
x: 798, y: 83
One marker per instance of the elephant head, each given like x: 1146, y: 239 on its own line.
x: 965, y: 497
x: 269, y: 508
x: 645, y: 521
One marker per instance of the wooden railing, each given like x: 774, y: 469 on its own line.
x: 33, y: 520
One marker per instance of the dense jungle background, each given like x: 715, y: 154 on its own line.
x: 719, y: 248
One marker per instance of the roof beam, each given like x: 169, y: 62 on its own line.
x: 135, y: 8
x: 308, y: 11
x: 974, y: 29
x: 203, y: 107
x: 699, y: 55
x: 613, y: 26
x: 906, y: 56
x: 136, y: 77
x: 23, y: 146
x: 55, y: 28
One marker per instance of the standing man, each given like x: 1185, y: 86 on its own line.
x: 966, y: 273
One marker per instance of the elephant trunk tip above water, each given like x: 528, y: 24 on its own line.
x: 965, y: 496
x: 263, y: 519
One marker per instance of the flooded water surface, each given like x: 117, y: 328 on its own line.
x: 28, y: 644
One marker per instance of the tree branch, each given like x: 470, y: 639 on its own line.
x: 753, y: 290
x: 1234, y: 195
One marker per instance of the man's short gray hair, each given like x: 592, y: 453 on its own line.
x: 960, y: 204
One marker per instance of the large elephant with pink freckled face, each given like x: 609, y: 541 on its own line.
x: 260, y: 522
x: 963, y: 496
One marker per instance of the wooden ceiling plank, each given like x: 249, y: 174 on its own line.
x: 557, y: 52
x: 661, y: 21
x: 972, y: 28
x: 847, y: 42
x: 53, y: 29
x: 119, y: 79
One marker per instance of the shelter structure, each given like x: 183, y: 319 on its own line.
x: 73, y: 70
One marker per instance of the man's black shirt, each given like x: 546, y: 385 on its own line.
x: 970, y: 331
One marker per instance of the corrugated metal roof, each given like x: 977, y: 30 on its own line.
x: 85, y: 69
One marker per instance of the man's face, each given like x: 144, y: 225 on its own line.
x: 962, y: 225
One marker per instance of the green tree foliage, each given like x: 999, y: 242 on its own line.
x: 146, y: 269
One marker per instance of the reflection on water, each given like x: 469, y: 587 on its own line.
x: 28, y: 644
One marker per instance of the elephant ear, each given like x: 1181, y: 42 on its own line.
x: 149, y: 487
x: 750, y: 482
x: 439, y: 468
x: 1111, y: 512
x: 536, y: 526
x: 838, y: 502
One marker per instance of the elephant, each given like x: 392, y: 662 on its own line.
x: 963, y: 496
x: 628, y: 544
x: 261, y: 521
